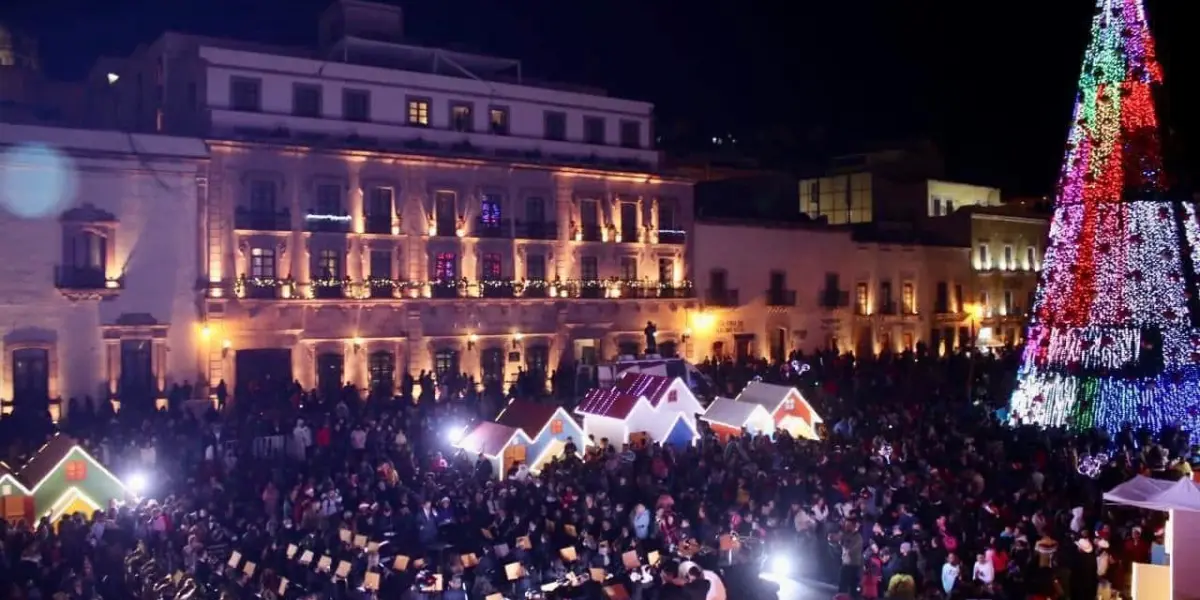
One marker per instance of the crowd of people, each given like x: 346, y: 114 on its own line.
x: 918, y: 489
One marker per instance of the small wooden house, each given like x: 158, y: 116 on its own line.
x: 549, y: 427
x: 501, y: 445
x: 664, y: 394
x: 729, y: 418
x: 788, y: 409
x: 609, y: 413
x: 60, y: 479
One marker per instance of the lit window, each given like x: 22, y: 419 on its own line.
x: 418, y: 112
x: 446, y: 267
x: 461, y: 118
x: 491, y: 266
x: 556, y: 426
x: 262, y: 262
x: 75, y: 470
x: 489, y: 210
x: 673, y: 396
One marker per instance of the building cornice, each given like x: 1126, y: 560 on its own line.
x: 413, y: 159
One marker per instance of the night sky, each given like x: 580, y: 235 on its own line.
x: 991, y: 82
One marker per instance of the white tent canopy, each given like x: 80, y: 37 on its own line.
x: 1157, y: 494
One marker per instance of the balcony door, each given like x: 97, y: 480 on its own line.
x: 31, y: 378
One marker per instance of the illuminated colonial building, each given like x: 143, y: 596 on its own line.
x: 376, y: 207
x: 99, y: 272
x: 770, y: 289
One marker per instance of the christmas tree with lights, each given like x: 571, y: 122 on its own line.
x: 1113, y: 338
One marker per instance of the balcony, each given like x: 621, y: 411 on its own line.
x: 672, y: 236
x: 448, y: 289
x: 328, y: 223
x: 781, y: 297
x: 380, y: 224
x: 889, y: 308
x: 721, y: 297
x: 262, y: 220
x: 444, y: 228
x: 537, y: 230
x: 589, y: 233
x: 832, y: 299
x: 382, y: 288
x: 497, y: 288
x: 329, y: 289
x: 492, y: 229
x: 78, y: 283
x: 629, y: 235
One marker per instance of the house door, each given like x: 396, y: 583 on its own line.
x: 330, y: 368
x: 381, y: 368
x: 779, y: 345
x: 865, y: 344
x: 491, y: 363
x: 262, y: 371
x: 513, y: 455
x: 31, y: 377
x: 137, y: 374
x: 743, y: 347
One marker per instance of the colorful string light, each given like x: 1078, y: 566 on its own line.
x: 1113, y: 339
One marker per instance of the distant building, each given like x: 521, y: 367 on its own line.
x: 894, y: 185
x: 377, y: 207
x: 26, y: 95
x: 770, y: 288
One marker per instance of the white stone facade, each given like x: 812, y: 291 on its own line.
x: 105, y: 276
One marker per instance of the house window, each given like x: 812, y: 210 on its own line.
x: 535, y: 267
x: 666, y: 217
x: 445, y: 363
x: 306, y: 100
x: 329, y: 264
x: 672, y: 396
x: 937, y: 207
x: 789, y: 404
x: 446, y: 213
x: 556, y: 125
x: 498, y: 120
x: 262, y: 197
x: 958, y: 298
x: 75, y: 470
x: 908, y: 297
x: 380, y: 202
x: 1030, y: 258
x: 556, y: 427
x: 666, y: 270
x: 445, y: 267
x: 262, y: 263
x: 593, y: 130
x: 356, y: 105
x: 461, y: 114
x: 941, y: 302
x: 489, y: 210
x: 949, y: 206
x: 629, y: 268
x: 985, y: 302
x: 491, y: 268
x: 245, y: 94
x: 535, y: 210
x: 1009, y: 306
x: 418, y: 112
x: 631, y: 134
x: 88, y: 250
x: 1010, y: 261
x: 861, y: 298
x: 381, y: 264
x: 984, y: 260
x: 329, y: 199
x: 589, y: 269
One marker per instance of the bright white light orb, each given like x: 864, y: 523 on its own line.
x: 455, y: 434
x: 781, y: 566
x: 137, y: 483
x: 36, y: 181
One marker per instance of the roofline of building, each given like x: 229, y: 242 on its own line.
x: 215, y: 143
x: 103, y: 142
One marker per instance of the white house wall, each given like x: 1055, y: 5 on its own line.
x: 149, y: 184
